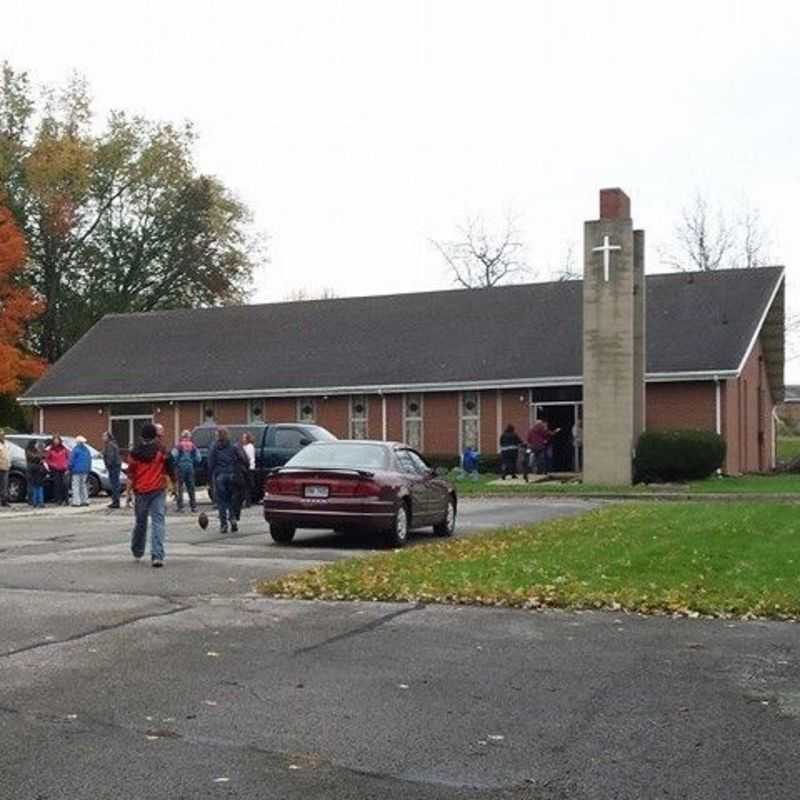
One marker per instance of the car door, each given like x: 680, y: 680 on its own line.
x: 420, y: 496
x: 436, y: 490
x: 283, y: 441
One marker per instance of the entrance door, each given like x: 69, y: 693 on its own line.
x: 561, y: 417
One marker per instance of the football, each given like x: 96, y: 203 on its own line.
x: 202, y: 520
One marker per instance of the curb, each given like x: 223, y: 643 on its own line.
x: 732, y: 497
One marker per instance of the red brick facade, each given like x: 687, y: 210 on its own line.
x: 744, y: 414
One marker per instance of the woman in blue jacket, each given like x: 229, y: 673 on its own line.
x: 80, y: 465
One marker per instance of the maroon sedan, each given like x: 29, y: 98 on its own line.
x: 379, y: 486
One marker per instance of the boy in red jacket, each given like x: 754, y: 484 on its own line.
x: 149, y: 466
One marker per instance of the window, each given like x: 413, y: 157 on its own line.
x: 255, y: 411
x: 306, y: 409
x: 405, y: 461
x: 470, y: 421
x: 207, y: 412
x: 412, y: 420
x: 417, y: 461
x: 126, y: 422
x: 359, y: 416
x: 289, y: 438
x: 342, y: 455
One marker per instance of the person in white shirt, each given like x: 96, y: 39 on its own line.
x: 250, y: 451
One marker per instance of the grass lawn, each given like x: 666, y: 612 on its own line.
x: 707, y: 558
x: 782, y: 483
x: 788, y: 448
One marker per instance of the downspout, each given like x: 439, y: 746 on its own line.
x: 718, y: 412
x: 41, y: 419
x: 383, y: 416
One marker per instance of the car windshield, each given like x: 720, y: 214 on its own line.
x: 341, y: 456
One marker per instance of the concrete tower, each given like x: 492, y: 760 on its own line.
x: 613, y: 341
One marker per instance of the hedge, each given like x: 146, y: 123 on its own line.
x: 678, y: 455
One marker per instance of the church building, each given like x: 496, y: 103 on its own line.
x: 439, y: 370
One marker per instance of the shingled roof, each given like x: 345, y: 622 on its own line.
x: 697, y: 324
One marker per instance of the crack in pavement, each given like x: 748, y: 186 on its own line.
x: 99, y: 629
x: 361, y: 629
x: 302, y: 761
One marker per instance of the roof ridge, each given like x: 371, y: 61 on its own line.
x: 429, y: 292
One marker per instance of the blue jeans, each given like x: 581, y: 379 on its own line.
x: 113, y: 479
x: 37, y: 496
x: 185, y: 478
x: 152, y: 505
x: 224, y: 495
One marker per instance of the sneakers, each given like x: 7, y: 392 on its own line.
x: 234, y: 527
x: 223, y: 528
x: 137, y: 559
x: 157, y: 562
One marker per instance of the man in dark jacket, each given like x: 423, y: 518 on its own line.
x: 113, y: 462
x: 149, y: 466
x: 225, y: 463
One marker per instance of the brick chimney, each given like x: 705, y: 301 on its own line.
x: 614, y: 204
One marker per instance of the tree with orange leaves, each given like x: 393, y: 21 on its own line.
x: 17, y: 308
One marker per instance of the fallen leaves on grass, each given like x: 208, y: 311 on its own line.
x: 681, y: 559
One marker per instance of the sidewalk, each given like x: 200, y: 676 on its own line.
x: 20, y: 510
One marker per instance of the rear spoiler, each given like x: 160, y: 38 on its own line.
x: 362, y: 473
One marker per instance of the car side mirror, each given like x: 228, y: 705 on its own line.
x: 440, y: 472
x: 305, y: 442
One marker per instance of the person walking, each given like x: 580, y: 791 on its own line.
x: 149, y: 467
x: 186, y: 457
x: 5, y: 467
x: 509, y: 451
x: 224, y: 461
x: 113, y: 461
x: 540, y: 439
x: 36, y: 473
x: 80, y: 464
x: 249, y: 448
x: 56, y: 456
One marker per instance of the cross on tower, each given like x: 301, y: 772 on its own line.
x: 606, y: 249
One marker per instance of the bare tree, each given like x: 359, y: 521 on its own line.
x: 754, y: 239
x: 304, y: 293
x: 568, y: 270
x: 708, y: 240
x: 703, y: 240
x: 480, y: 258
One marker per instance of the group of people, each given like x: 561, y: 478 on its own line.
x: 536, y: 450
x: 66, y: 468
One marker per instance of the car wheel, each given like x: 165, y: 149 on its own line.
x: 282, y: 534
x: 93, y: 485
x: 17, y: 489
x: 447, y: 527
x: 397, y: 535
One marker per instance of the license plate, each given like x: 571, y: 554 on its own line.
x: 316, y: 491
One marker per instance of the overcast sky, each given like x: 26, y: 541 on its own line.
x: 357, y: 131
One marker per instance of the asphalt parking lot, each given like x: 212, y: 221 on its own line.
x: 120, y: 681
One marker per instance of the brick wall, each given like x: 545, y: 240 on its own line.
x: 87, y: 420
x: 681, y: 405
x: 334, y: 414
x: 394, y: 419
x: 441, y: 422
x: 516, y: 411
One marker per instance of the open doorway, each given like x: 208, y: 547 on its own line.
x: 562, y: 417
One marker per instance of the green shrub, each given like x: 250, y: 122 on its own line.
x: 678, y: 455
